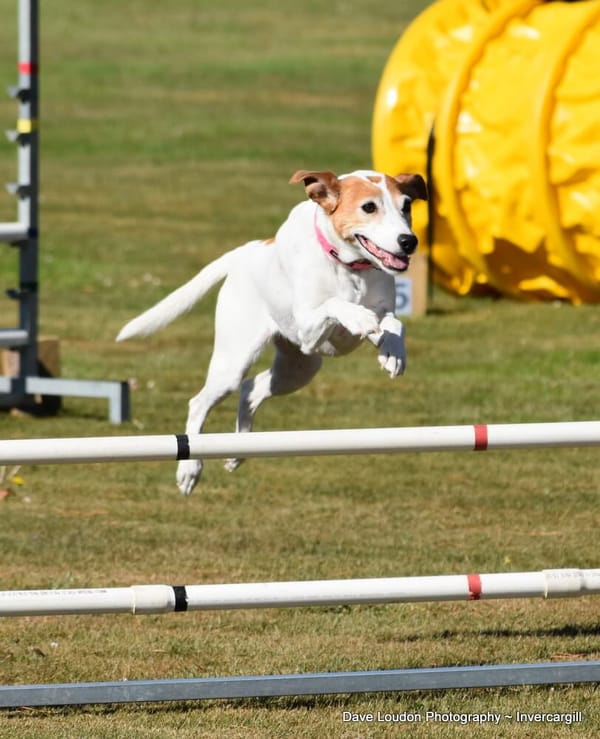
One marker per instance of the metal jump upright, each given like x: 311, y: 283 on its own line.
x: 23, y: 234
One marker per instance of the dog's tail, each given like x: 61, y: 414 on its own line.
x: 178, y: 302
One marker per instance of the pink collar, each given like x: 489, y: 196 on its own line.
x: 331, y: 251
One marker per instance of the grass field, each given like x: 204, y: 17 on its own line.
x: 169, y: 132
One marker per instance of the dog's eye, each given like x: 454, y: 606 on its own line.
x: 369, y: 207
x: 406, y: 206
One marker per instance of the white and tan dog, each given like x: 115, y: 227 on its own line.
x: 325, y: 283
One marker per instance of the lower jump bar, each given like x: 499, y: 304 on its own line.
x: 270, y: 686
x: 146, y: 599
x: 477, y: 437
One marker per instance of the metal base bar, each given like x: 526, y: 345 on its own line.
x: 117, y: 393
x: 13, y: 337
x: 271, y: 686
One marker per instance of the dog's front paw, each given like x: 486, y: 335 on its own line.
x: 358, y: 320
x: 392, y: 354
x: 393, y: 365
x: 188, y: 474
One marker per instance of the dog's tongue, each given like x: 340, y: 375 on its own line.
x: 394, y: 262
x: 389, y: 260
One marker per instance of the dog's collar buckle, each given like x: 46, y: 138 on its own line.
x: 331, y: 251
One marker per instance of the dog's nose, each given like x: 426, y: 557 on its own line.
x: 408, y: 243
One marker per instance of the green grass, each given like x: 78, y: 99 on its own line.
x: 169, y: 132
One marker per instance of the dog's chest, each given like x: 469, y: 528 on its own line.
x: 351, y: 286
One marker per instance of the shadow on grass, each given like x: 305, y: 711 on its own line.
x: 570, y: 631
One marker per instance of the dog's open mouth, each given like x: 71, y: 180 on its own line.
x: 387, y: 259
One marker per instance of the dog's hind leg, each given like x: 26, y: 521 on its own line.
x: 291, y: 370
x: 239, y: 339
x: 222, y: 379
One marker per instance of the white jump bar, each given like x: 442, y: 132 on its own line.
x: 478, y: 437
x: 145, y: 599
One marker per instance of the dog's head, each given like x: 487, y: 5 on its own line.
x: 370, y: 212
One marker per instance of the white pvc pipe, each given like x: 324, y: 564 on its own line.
x: 13, y: 232
x: 143, y: 599
x: 478, y: 437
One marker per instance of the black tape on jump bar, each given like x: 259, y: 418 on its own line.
x: 181, y: 603
x: 183, y: 446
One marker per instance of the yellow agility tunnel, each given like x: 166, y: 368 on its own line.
x: 499, y: 102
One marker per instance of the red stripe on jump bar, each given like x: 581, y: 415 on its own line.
x: 474, y: 583
x: 28, y: 67
x: 481, y: 437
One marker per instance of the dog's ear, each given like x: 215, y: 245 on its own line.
x: 322, y: 187
x: 412, y: 185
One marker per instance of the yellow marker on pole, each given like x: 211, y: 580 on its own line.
x: 27, y: 125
